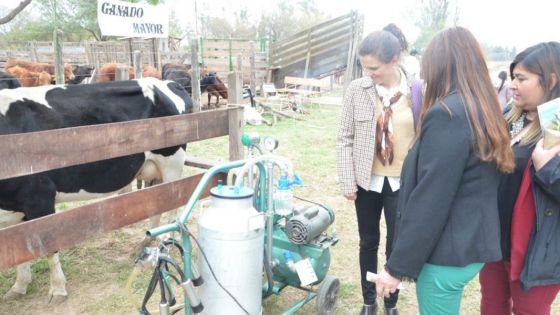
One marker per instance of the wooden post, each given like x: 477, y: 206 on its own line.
x: 308, y: 57
x: 137, y: 64
x: 235, y: 88
x: 240, y: 68
x: 195, y: 75
x: 121, y: 73
x: 96, y: 56
x: 235, y: 126
x: 157, y: 55
x: 253, y: 74
x: 58, y: 64
x: 130, y: 50
x: 33, y: 51
x: 354, y: 42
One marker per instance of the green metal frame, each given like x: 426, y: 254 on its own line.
x: 187, y: 210
x: 316, y: 253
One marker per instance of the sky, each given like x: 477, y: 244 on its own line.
x: 519, y: 23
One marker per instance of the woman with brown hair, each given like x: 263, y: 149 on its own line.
x: 527, y: 280
x: 375, y: 132
x: 447, y: 214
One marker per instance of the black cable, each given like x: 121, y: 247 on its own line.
x: 162, y: 287
x: 174, y: 242
x: 185, y: 230
x: 313, y: 202
x: 149, y: 292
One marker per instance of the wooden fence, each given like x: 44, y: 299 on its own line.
x: 320, y: 51
x: 30, y: 153
x: 249, y: 58
x: 93, y: 53
x: 244, y: 56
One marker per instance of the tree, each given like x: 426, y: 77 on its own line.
x: 434, y: 15
x: 290, y: 18
x: 10, y: 16
x: 78, y: 19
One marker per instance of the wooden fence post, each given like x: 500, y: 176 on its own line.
x: 33, y: 51
x: 253, y: 74
x: 235, y: 126
x: 121, y: 73
x: 58, y: 64
x: 235, y: 88
x: 195, y: 75
x: 137, y: 64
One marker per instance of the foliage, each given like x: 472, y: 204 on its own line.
x: 287, y: 18
x: 499, y: 53
x: 78, y: 19
x: 433, y: 17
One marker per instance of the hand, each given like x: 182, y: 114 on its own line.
x: 351, y: 196
x: 386, y: 284
x: 541, y: 156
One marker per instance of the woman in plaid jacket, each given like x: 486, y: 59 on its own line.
x: 375, y: 132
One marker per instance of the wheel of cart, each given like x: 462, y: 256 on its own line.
x: 327, y: 296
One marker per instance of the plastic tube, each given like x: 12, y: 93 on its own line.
x: 282, y: 162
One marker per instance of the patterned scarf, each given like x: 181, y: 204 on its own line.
x: 384, y: 131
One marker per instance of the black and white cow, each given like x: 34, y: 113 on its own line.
x: 51, y: 107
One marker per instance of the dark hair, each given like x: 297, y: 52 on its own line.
x: 543, y: 60
x: 452, y: 61
x: 503, y: 76
x: 396, y: 31
x: 381, y: 45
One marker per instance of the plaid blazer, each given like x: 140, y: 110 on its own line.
x: 355, y: 137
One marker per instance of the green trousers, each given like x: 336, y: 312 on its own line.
x: 439, y: 289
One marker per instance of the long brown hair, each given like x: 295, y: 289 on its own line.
x: 543, y: 60
x: 453, y: 61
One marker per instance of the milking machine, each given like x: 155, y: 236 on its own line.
x: 253, y: 241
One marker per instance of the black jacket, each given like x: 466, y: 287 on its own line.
x: 542, y: 261
x: 447, y: 210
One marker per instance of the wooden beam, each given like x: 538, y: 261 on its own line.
x: 200, y: 162
x: 47, y: 235
x: 235, y: 123
x: 195, y: 76
x: 28, y: 153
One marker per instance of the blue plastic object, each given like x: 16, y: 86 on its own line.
x: 231, y: 192
x: 284, y: 183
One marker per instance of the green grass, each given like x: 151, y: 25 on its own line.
x: 100, y: 272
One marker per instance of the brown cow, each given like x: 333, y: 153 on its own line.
x: 149, y: 71
x: 107, y: 72
x: 39, y: 67
x: 30, y: 78
x: 217, y: 89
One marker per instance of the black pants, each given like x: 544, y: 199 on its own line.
x: 368, y: 209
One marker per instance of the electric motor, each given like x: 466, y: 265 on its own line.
x: 308, y: 223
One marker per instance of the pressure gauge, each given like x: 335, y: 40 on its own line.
x: 270, y: 143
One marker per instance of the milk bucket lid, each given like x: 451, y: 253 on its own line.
x: 231, y: 192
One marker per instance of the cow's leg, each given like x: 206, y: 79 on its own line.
x: 209, y: 99
x: 23, y: 279
x: 57, y: 292
x: 217, y: 100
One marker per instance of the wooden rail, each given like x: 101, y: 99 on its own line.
x: 33, y: 152
x: 28, y: 153
x: 46, y: 235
